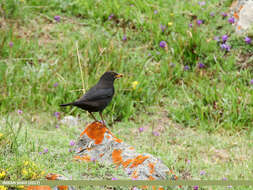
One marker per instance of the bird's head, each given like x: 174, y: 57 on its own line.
x: 110, y: 76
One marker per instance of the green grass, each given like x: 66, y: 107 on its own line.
x: 211, y: 108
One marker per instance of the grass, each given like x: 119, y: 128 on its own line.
x: 200, y: 113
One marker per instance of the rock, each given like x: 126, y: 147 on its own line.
x: 70, y: 121
x: 97, y: 143
x: 242, y: 11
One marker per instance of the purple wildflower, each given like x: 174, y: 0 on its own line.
x: 224, y: 14
x: 251, y: 82
x: 45, y: 150
x: 188, y: 161
x: 70, y: 150
x: 57, y: 114
x: 20, y: 111
x: 231, y: 20
x: 199, y: 22
x: 124, y: 38
x: 196, y: 187
x: 190, y: 25
x: 163, y: 44
x: 155, y: 12
x: 186, y: 67
x: 141, y: 129
x: 56, y: 84
x: 225, y: 47
x: 114, y: 178
x: 93, y: 159
x: 247, y: 40
x: 155, y: 133
x: 202, y: 172
x: 57, y: 126
x: 57, y: 18
x: 40, y: 153
x: 162, y: 27
x: 224, y: 178
x: 111, y: 17
x: 212, y: 14
x: 201, y: 3
x: 201, y: 65
x: 224, y: 38
x: 149, y: 54
x: 11, y: 44
x: 230, y: 186
x: 158, y: 53
x: 72, y: 143
x: 217, y: 38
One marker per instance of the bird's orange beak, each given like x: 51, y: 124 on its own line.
x: 119, y: 76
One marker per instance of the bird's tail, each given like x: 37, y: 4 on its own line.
x: 68, y: 104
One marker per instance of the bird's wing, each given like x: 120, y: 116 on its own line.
x: 97, y: 94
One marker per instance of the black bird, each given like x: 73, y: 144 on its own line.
x: 99, y: 96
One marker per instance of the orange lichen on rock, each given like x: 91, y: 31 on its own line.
x: 52, y: 176
x: 151, y: 178
x: 84, y: 158
x: 38, y: 188
x: 152, y: 167
x: 115, y: 138
x: 62, y: 187
x: 95, y: 131
x: 138, y: 160
x: 127, y: 162
x: 160, y: 188
x: 116, y: 157
x: 236, y: 15
x: 135, y: 174
x: 102, y: 154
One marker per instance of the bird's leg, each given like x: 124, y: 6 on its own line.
x: 103, y: 121
x: 93, y: 116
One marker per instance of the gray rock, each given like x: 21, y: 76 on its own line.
x: 97, y: 143
x: 246, y: 16
x: 242, y: 10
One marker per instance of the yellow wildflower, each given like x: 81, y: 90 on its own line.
x: 134, y: 84
x: 171, y: 14
x: 43, y: 172
x: 21, y: 187
x: 2, y: 187
x: 26, y: 163
x: 2, y: 174
x: 170, y: 23
x: 24, y: 172
x: 1, y: 134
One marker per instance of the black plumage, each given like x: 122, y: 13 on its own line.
x: 99, y: 96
